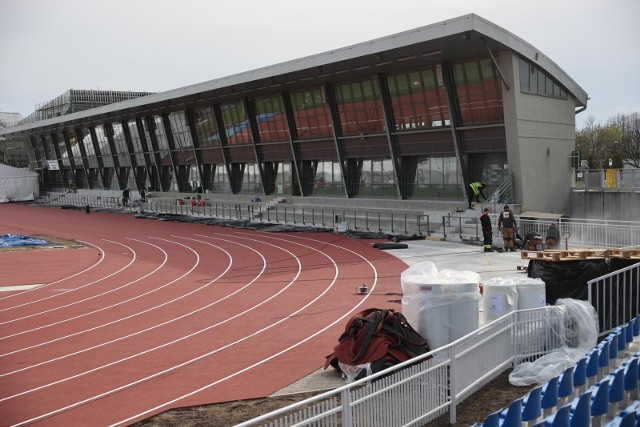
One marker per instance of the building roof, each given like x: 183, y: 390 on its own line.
x: 457, y: 38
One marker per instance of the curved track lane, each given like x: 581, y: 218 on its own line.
x: 163, y: 315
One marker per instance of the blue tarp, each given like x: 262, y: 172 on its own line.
x: 10, y: 240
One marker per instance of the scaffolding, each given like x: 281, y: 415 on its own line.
x: 75, y: 100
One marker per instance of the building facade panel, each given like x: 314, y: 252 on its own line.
x: 414, y: 115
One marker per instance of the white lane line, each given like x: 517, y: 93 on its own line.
x: 140, y: 331
x: 102, y: 257
x: 273, y: 356
x: 10, y: 288
x: 84, y: 314
x: 191, y: 361
x: 72, y: 290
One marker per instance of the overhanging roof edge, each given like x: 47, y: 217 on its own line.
x: 528, y: 51
x: 434, y: 31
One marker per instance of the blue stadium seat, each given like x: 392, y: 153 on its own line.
x: 634, y: 407
x: 613, y: 348
x: 592, y: 367
x: 492, y: 420
x: 565, y: 386
x: 581, y: 410
x: 512, y: 416
x: 599, y: 400
x: 532, y: 405
x: 628, y: 420
x: 549, y: 399
x: 636, y: 326
x: 580, y: 376
x: 616, y: 392
x: 631, y: 379
x: 561, y: 418
x: 622, y: 342
x: 629, y: 334
x: 603, y: 361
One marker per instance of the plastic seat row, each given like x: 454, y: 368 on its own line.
x: 592, y: 390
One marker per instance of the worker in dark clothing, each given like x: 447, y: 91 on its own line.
x: 125, y: 197
x: 476, y: 190
x: 487, y: 232
x: 507, y: 224
x: 553, y: 236
x: 532, y: 241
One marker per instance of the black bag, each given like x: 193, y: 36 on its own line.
x: 382, y: 338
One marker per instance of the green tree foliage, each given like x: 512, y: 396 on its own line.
x: 628, y: 146
x: 598, y: 144
x: 611, y: 145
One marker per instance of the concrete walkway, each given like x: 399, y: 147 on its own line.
x: 445, y: 255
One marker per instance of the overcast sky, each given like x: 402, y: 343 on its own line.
x: 50, y: 46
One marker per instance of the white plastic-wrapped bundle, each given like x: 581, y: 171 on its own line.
x: 499, y: 297
x: 531, y: 293
x: 441, y: 305
x: 574, y: 334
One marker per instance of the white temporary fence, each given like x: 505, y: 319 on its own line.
x: 628, y: 178
x: 357, y: 220
x: 422, y: 389
x: 616, y: 297
x: 574, y: 232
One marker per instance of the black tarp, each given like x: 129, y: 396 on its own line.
x: 618, y: 299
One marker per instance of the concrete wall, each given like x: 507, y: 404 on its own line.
x: 611, y: 205
x: 540, y: 134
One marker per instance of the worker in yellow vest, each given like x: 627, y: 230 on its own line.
x: 476, y: 190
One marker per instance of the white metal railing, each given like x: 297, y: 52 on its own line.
x: 365, y: 220
x: 582, y: 232
x: 502, y: 195
x: 628, y: 178
x: 616, y: 297
x: 422, y: 389
x: 574, y: 232
x: 588, y: 232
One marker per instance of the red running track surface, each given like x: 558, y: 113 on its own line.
x: 152, y: 315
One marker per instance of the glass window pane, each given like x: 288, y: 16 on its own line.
x: 206, y: 127
x: 271, y: 119
x: 236, y: 124
x: 360, y: 107
x: 311, y: 113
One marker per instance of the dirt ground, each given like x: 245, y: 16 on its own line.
x: 497, y: 394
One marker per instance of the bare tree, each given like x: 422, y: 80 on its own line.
x: 597, y: 144
x: 629, y: 142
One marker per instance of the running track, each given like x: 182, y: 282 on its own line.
x: 153, y: 315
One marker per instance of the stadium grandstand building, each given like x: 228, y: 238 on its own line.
x: 75, y: 100
x: 415, y: 116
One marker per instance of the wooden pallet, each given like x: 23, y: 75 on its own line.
x: 580, y: 254
x: 540, y: 255
x: 625, y: 253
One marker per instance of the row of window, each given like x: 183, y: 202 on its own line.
x: 417, y: 102
x: 535, y: 81
x: 435, y: 177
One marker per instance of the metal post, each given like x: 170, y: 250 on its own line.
x: 444, y: 227
x: 452, y: 387
x: 347, y: 419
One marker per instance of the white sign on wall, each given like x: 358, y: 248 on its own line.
x: 53, y: 165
